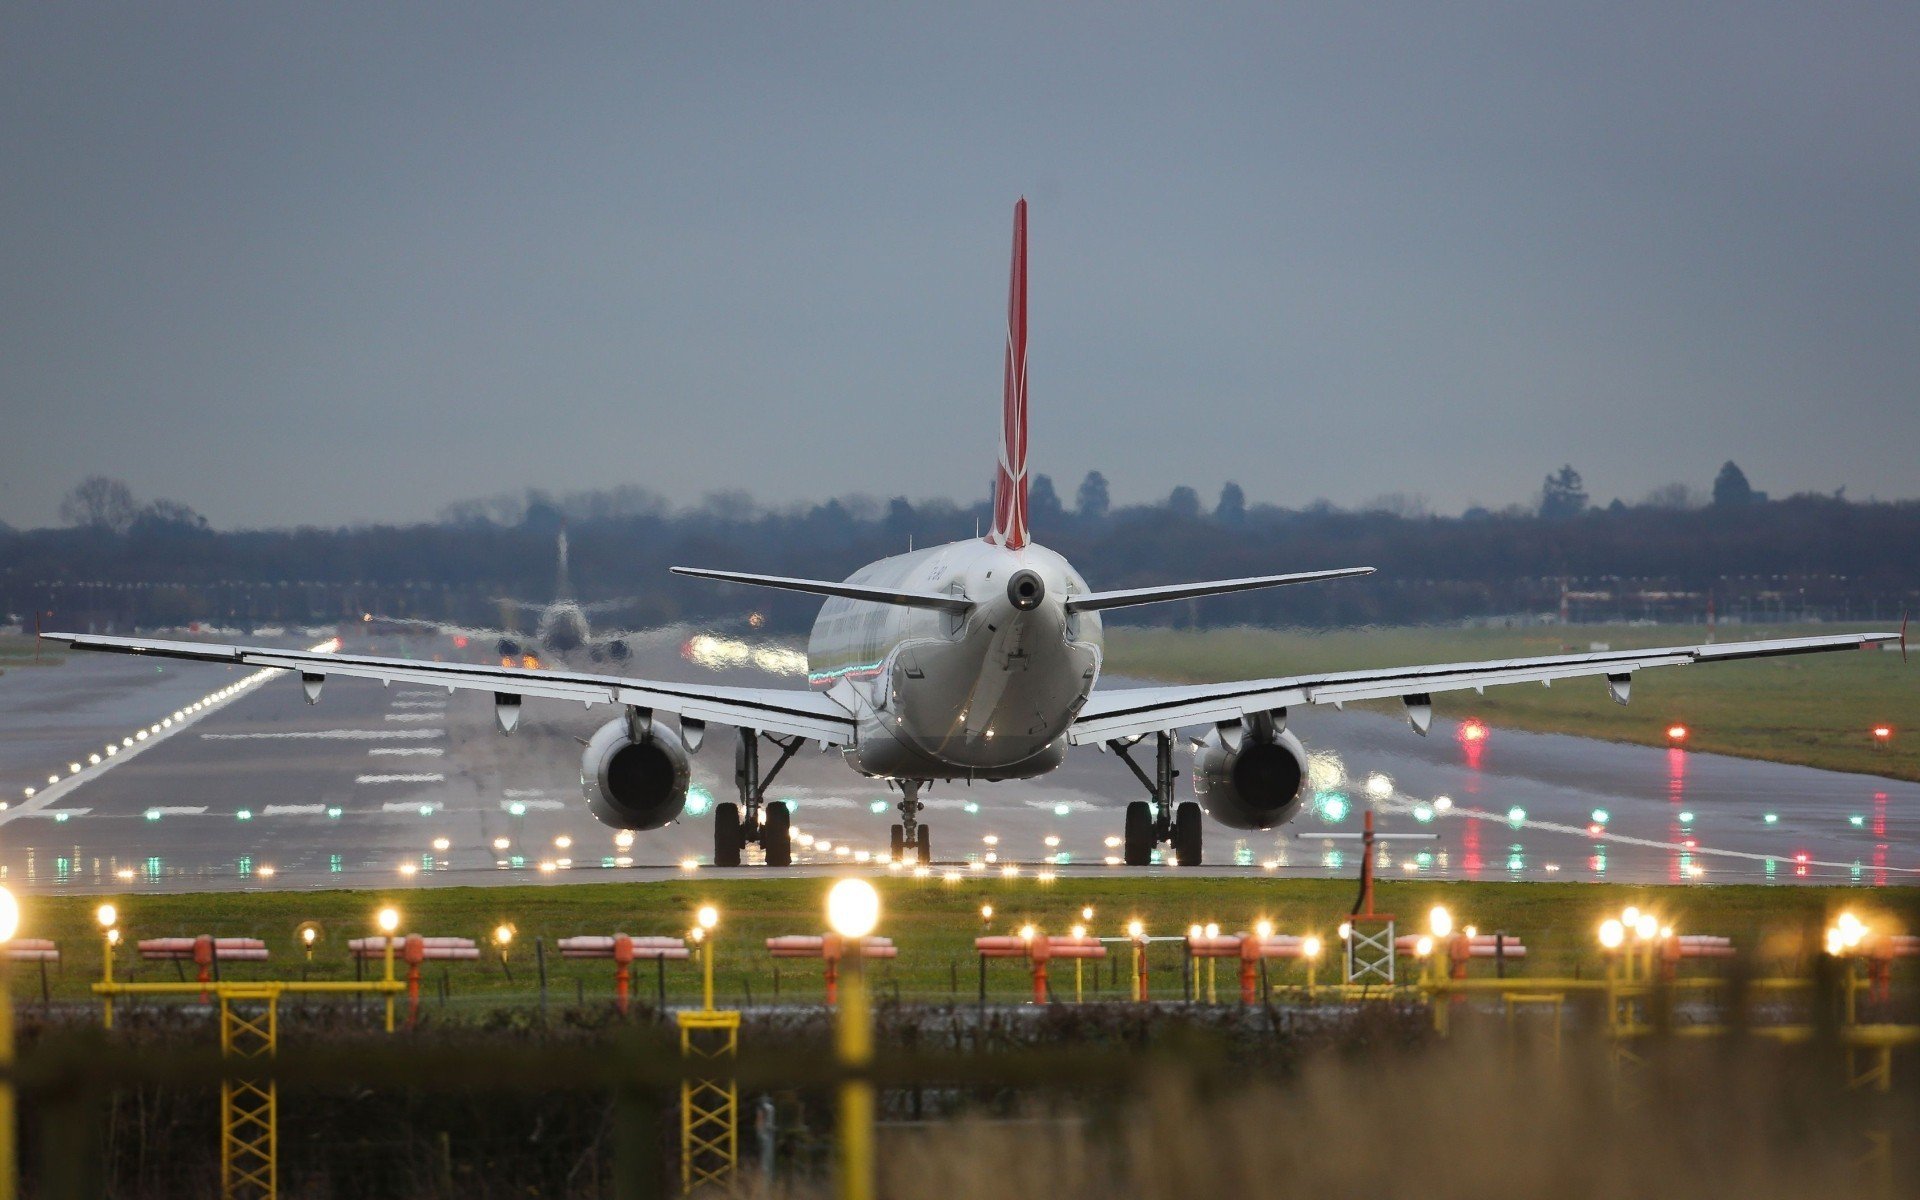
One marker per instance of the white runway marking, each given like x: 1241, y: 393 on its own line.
x: 408, y: 751
x: 399, y: 806
x: 292, y: 810
x: 414, y: 716
x: 175, y: 810
x: 419, y: 704
x: 58, y: 814
x: 525, y: 793
x: 508, y: 804
x: 419, y: 692
x: 423, y: 778
x: 328, y: 735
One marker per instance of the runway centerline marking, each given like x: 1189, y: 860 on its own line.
x: 434, y: 777
x: 407, y: 751
x: 325, y: 735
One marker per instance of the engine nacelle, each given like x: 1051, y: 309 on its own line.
x: 1256, y: 786
x: 635, y: 785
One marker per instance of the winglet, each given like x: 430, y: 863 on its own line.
x: 1010, y: 478
x: 1903, y: 636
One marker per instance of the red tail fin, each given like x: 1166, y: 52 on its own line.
x: 1010, y: 484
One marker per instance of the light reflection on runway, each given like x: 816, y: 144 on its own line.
x: 411, y: 786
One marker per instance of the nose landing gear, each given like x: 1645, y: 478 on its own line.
x: 910, y: 836
x: 1159, y: 821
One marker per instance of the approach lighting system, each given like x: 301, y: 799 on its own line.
x: 1136, y: 930
x: 853, y: 908
x: 1310, y: 946
x: 388, y: 919
x: 1078, y: 931
x: 9, y: 915
x: 1612, y: 933
x: 1472, y: 730
x: 1440, y: 921
x: 1647, y: 927
x: 502, y: 936
x: 708, y: 916
x: 1263, y: 929
x: 107, y: 915
x: 1882, y: 733
x: 1423, y: 947
x: 1676, y: 733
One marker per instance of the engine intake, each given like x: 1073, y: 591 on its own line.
x: 1257, y: 786
x: 635, y: 785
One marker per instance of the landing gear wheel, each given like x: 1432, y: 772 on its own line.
x: 776, y: 835
x: 1139, y: 839
x: 726, y: 834
x: 923, y: 847
x: 1186, y: 834
x: 896, y: 843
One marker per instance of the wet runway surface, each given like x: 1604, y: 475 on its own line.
x: 409, y: 786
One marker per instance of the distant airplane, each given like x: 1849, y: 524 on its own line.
x: 561, y: 632
x: 972, y: 660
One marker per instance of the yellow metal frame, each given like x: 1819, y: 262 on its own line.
x: 710, y: 1103
x: 249, y: 1109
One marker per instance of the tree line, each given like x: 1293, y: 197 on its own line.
x: 121, y: 563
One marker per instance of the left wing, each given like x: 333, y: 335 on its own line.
x: 784, y: 711
x: 1131, y: 712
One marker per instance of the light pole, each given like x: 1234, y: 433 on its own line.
x: 388, y: 919
x: 1212, y: 931
x: 502, y: 939
x: 1079, y: 931
x: 1137, y: 934
x: 706, y: 919
x: 853, y: 909
x: 9, y: 1156
x: 107, y: 915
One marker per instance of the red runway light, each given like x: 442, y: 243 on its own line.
x: 1471, y: 730
x: 1676, y: 733
x: 1882, y: 732
x: 460, y: 641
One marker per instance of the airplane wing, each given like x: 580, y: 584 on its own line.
x: 1132, y: 712
x: 783, y: 711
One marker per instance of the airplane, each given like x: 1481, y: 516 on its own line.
x: 561, y: 632
x: 977, y: 659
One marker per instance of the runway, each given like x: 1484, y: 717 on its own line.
x: 407, y: 787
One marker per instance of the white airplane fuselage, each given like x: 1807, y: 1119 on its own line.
x: 987, y: 694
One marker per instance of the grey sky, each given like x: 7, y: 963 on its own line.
x: 321, y: 263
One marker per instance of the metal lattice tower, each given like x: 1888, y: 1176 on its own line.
x: 249, y: 1109
x: 709, y: 1101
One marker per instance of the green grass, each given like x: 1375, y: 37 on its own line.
x: 931, y: 921
x: 28, y: 651
x: 1813, y: 710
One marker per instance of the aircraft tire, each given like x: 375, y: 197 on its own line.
x: 1139, y: 830
x: 1186, y: 833
x: 923, y: 847
x: 896, y: 843
x: 726, y: 834
x: 776, y: 835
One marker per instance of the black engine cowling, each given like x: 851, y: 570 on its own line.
x: 1257, y: 786
x: 635, y: 785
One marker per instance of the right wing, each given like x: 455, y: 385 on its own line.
x: 783, y: 711
x: 1132, y: 712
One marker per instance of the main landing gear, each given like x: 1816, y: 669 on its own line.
x: 752, y: 819
x: 1159, y: 821
x: 910, y: 836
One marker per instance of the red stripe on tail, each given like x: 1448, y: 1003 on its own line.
x: 1010, y: 482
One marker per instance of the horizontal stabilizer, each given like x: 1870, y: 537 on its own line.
x: 1187, y: 591
x: 847, y: 591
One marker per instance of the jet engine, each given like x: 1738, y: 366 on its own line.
x: 635, y: 784
x: 1249, y: 778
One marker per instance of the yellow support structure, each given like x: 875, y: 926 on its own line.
x: 249, y: 1109
x: 709, y: 1103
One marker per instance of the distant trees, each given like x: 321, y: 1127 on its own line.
x: 1044, y: 509
x: 1681, y: 496
x: 1730, y: 487
x: 1184, y: 502
x: 100, y: 503
x: 1232, y: 509
x: 1092, y: 500
x: 1563, y: 495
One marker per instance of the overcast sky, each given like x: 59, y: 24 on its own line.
x: 321, y: 263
